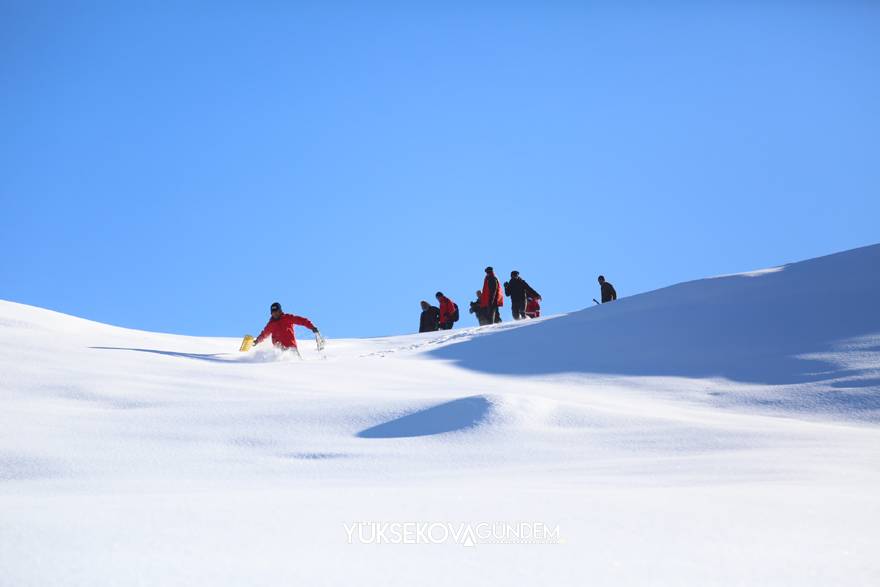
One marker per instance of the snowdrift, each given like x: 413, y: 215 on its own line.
x: 807, y: 322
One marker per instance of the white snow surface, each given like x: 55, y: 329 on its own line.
x: 717, y: 432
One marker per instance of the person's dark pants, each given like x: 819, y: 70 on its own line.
x: 493, y: 314
x: 446, y: 326
x: 519, y: 309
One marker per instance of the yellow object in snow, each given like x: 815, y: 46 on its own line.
x: 247, y: 343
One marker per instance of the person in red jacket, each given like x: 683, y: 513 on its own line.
x: 281, y: 325
x: 447, y: 311
x: 491, y: 298
x: 533, y: 307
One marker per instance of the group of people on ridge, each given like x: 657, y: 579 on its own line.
x: 524, y: 302
x: 440, y: 317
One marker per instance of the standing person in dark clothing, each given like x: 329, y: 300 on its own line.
x: 491, y: 298
x: 608, y: 292
x: 477, y: 311
x: 448, y: 311
x: 430, y: 318
x: 518, y: 290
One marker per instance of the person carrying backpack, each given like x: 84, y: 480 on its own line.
x: 519, y: 290
x: 491, y: 298
x: 430, y: 319
x: 448, y: 311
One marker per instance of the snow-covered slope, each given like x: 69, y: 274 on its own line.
x: 807, y: 335
x: 721, y: 431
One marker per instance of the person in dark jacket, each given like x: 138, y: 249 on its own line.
x: 430, y: 320
x: 519, y: 290
x: 447, y: 311
x: 491, y: 298
x: 608, y: 292
x: 477, y: 311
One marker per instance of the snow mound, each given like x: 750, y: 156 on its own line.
x: 812, y: 322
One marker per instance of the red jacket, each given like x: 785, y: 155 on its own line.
x: 282, y: 330
x: 533, y: 308
x: 487, y: 294
x: 447, y: 309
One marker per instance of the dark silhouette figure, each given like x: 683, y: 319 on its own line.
x: 430, y: 320
x: 608, y: 292
x: 519, y: 291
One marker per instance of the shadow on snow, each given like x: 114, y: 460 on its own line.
x: 460, y: 414
x: 214, y: 358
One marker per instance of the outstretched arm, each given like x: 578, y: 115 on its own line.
x: 262, y: 335
x: 300, y: 321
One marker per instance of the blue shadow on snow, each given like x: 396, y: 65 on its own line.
x: 214, y: 358
x: 459, y: 414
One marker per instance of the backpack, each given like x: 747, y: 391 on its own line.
x: 455, y: 314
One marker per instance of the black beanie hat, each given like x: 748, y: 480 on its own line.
x: 275, y: 306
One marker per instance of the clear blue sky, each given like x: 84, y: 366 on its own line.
x: 180, y: 168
